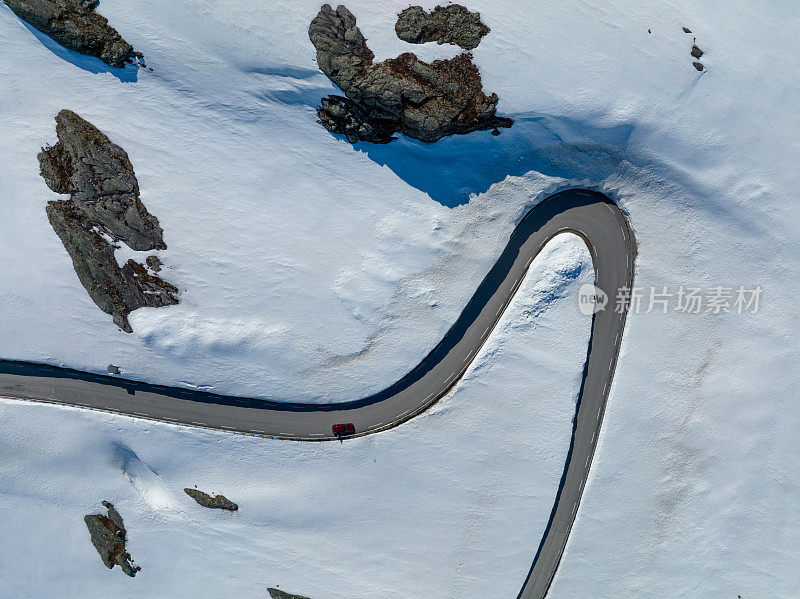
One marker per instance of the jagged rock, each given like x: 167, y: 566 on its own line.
x: 342, y: 52
x: 421, y: 100
x: 154, y: 263
x: 698, y: 65
x: 99, y: 177
x: 104, y: 204
x: 687, y: 30
x: 451, y: 24
x: 697, y: 52
x: 108, y: 537
x: 341, y: 115
x: 216, y: 502
x: 75, y: 25
x: 116, y: 291
x: 279, y: 594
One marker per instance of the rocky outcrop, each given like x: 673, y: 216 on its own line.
x: 279, y: 594
x: 219, y: 502
x: 116, y: 291
x: 451, y: 24
x: 108, y: 537
x: 154, y: 263
x: 104, y: 207
x: 99, y: 177
x: 403, y: 94
x: 75, y: 25
x: 342, y: 115
x: 342, y: 52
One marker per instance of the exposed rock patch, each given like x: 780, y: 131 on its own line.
x: 342, y: 115
x: 403, y: 94
x: 108, y: 537
x: 698, y: 65
x: 99, y: 177
x: 154, y: 263
x: 696, y: 52
x: 219, y: 502
x: 104, y: 205
x: 75, y: 25
x: 116, y: 291
x: 279, y: 594
x: 451, y: 24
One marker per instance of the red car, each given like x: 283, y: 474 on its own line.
x: 340, y: 430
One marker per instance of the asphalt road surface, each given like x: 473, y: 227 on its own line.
x: 588, y: 214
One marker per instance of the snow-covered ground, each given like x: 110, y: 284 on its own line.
x: 436, y: 508
x: 313, y: 271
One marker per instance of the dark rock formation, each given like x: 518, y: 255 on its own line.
x: 279, y: 594
x: 421, y: 100
x: 116, y: 291
x: 108, y: 537
x: 75, y: 25
x: 342, y: 52
x: 698, y: 65
x: 697, y: 52
x: 342, y: 115
x: 218, y: 501
x: 104, y: 204
x: 451, y: 24
x: 154, y: 263
x: 99, y: 178
x: 687, y: 30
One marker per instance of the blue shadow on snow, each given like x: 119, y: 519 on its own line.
x: 127, y: 74
x: 453, y: 168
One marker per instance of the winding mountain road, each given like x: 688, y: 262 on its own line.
x: 588, y: 214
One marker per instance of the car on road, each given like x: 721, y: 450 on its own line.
x: 341, y: 430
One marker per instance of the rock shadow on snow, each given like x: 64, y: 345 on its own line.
x: 119, y: 64
x: 454, y: 168
x: 90, y: 64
